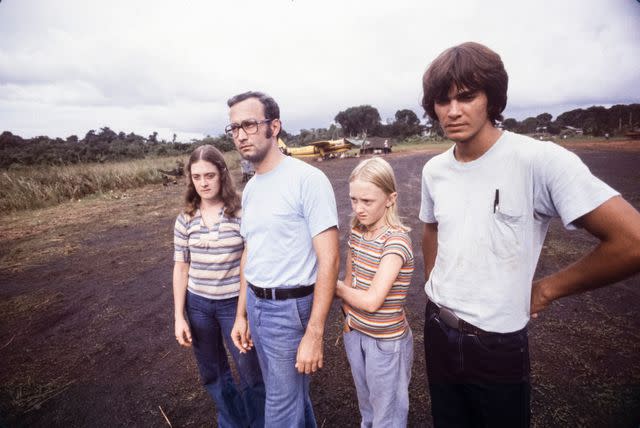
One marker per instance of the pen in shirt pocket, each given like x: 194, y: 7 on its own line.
x: 496, y: 201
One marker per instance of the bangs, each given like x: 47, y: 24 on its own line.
x: 469, y: 66
x: 458, y: 70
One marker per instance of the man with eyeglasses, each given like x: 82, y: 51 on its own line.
x: 290, y: 261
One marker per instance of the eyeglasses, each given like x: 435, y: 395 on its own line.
x: 248, y: 126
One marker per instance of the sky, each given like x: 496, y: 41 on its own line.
x: 69, y: 66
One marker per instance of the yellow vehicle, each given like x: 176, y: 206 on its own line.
x: 317, y: 149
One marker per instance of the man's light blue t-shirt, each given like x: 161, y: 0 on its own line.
x: 282, y: 211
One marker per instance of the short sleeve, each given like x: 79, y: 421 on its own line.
x: 565, y: 186
x: 426, y: 202
x: 181, y: 240
x: 319, y: 203
x: 399, y: 244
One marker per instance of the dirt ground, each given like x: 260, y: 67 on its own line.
x: 86, y: 328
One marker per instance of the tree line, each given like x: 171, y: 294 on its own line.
x: 597, y: 121
x: 106, y: 145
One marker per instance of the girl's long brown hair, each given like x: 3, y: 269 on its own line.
x: 228, y: 192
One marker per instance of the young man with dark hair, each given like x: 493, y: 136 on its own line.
x: 486, y: 204
x: 289, y: 267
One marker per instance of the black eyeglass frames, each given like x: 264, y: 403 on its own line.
x: 248, y: 126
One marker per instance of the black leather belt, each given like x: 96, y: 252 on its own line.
x: 451, y: 319
x: 282, y: 293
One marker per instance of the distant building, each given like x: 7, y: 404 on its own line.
x: 634, y: 134
x: 570, y: 130
x: 375, y: 145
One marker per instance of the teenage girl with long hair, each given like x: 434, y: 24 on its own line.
x: 206, y: 282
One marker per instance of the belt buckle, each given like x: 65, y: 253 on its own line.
x: 262, y: 293
x: 268, y: 294
x: 449, y: 318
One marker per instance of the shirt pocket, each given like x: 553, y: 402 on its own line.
x: 505, y: 239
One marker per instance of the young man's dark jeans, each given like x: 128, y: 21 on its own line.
x: 476, y: 380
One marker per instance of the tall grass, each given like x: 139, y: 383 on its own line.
x: 38, y: 186
x: 422, y: 143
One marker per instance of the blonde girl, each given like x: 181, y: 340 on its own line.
x: 379, y: 266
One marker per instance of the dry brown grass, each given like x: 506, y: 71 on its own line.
x: 29, y: 395
x: 38, y: 186
x: 34, y: 237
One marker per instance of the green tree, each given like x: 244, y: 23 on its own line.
x: 358, y: 120
x: 528, y: 126
x: 510, y: 124
x: 407, y: 117
x: 406, y: 124
x: 544, y: 119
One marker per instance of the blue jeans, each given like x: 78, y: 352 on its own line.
x: 211, y: 322
x: 381, y: 371
x: 477, y: 380
x: 277, y: 326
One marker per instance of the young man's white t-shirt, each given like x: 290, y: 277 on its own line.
x: 488, y: 246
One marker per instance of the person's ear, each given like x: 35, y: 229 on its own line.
x: 391, y: 199
x: 276, y: 126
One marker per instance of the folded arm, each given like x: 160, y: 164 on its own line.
x: 617, y: 225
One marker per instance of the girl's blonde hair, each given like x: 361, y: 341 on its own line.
x: 378, y: 172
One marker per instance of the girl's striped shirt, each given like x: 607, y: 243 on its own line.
x: 389, y: 321
x: 213, y: 254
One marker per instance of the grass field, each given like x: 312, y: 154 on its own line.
x: 422, y: 143
x: 38, y: 186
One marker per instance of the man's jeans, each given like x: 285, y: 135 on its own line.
x: 381, y: 371
x: 277, y: 326
x: 211, y: 320
x: 477, y: 380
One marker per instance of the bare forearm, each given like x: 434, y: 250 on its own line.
x: 322, y: 299
x: 180, y: 280
x: 326, y: 246
x: 429, y: 247
x: 242, y: 295
x: 357, y: 298
x: 606, y: 264
x: 373, y: 297
x: 617, y: 224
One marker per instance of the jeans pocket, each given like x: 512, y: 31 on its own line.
x: 388, y: 346
x: 303, y: 307
x: 502, y: 342
x: 501, y: 357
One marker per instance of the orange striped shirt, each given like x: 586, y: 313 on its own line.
x: 389, y: 321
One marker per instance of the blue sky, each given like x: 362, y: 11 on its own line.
x: 68, y: 66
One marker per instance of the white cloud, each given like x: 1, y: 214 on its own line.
x: 68, y: 66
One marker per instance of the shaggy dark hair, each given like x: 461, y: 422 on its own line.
x: 471, y: 66
x: 228, y: 193
x: 271, y: 109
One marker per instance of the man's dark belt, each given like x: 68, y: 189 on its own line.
x: 451, y: 319
x: 282, y: 293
